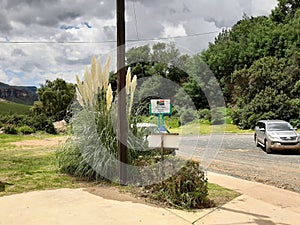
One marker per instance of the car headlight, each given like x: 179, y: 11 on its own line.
x: 274, y: 138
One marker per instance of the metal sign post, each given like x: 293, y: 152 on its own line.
x: 161, y: 107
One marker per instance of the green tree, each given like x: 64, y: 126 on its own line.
x: 54, y: 98
x: 267, y: 90
x: 138, y: 54
x: 285, y: 10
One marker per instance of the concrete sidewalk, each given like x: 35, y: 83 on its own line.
x: 259, y: 204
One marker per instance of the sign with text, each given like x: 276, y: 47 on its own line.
x: 160, y: 106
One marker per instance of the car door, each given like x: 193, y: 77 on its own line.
x: 260, y: 131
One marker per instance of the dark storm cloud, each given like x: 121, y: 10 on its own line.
x: 18, y: 52
x: 5, y: 26
x: 17, y: 4
x: 52, y: 12
x: 82, y: 61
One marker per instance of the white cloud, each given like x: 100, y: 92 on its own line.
x: 3, y: 77
x: 262, y: 7
x: 171, y: 30
x: 42, y: 21
x: 15, y: 81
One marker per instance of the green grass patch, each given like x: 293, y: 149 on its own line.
x: 220, y: 195
x: 7, y: 107
x: 196, y: 127
x: 30, y: 168
x: 35, y: 168
x: 170, y: 122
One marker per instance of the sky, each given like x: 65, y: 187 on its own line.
x: 37, y: 36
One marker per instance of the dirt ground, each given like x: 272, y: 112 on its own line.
x: 115, y: 193
x: 48, y: 142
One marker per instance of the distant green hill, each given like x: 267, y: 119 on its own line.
x: 7, y: 107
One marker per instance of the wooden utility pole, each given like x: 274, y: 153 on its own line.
x: 122, y: 115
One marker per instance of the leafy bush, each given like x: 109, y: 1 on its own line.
x: 187, y: 115
x: 10, y: 129
x: 187, y: 189
x: 37, y: 122
x: 26, y: 130
x: 41, y: 122
x: 172, y: 122
x: 205, y: 116
x: 14, y: 119
x: 295, y: 123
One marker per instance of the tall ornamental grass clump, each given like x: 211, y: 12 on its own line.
x: 92, y: 146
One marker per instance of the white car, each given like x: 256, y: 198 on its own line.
x: 276, y: 135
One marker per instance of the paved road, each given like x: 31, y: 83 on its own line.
x: 236, y: 154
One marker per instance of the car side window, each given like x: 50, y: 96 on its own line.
x: 261, y: 125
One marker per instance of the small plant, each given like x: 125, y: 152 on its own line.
x: 26, y: 130
x: 10, y: 129
x: 187, y: 189
x: 205, y: 116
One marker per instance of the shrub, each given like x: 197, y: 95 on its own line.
x: 26, y: 130
x: 37, y: 122
x: 205, y: 116
x: 14, y: 119
x: 187, y: 189
x: 41, y: 122
x: 188, y: 115
x: 295, y: 123
x: 10, y: 129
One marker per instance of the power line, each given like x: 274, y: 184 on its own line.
x: 108, y: 41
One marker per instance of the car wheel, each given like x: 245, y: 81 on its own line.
x: 256, y: 141
x: 267, y: 147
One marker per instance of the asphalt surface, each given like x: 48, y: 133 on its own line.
x: 237, y: 155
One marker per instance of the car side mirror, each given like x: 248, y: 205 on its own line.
x: 295, y: 128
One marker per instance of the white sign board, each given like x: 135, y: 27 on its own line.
x: 170, y: 141
x: 160, y: 106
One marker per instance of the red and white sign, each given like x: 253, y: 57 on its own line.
x: 160, y: 106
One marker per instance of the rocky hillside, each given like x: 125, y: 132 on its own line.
x: 19, y: 94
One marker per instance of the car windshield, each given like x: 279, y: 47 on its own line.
x: 279, y: 126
